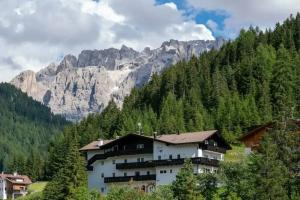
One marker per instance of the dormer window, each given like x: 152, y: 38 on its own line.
x: 140, y: 146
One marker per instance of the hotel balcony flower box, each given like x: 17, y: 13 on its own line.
x: 129, y: 178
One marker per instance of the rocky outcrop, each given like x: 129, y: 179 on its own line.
x: 78, y: 86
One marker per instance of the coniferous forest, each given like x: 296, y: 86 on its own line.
x: 26, y: 128
x: 251, y: 80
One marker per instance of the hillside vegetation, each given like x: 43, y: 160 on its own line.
x: 251, y: 80
x: 26, y: 128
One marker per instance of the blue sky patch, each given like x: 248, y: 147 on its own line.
x: 200, y: 17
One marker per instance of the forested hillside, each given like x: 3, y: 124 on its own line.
x: 26, y: 128
x: 249, y: 81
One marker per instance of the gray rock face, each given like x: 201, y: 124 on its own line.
x: 77, y: 87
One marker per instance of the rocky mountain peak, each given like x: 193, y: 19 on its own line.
x: 78, y: 86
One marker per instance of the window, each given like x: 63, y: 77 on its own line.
x: 171, y: 171
x: 114, y: 174
x: 178, y: 156
x: 206, y: 142
x: 102, y: 190
x: 215, y: 171
x: 114, y: 162
x: 125, y: 160
x: 125, y: 174
x: 161, y: 171
x: 215, y: 157
x: 142, y: 159
x: 140, y: 146
x: 215, y: 144
x: 137, y: 173
x: 206, y: 170
x: 148, y: 173
x: 115, y: 148
x: 170, y: 156
x: 159, y: 157
x: 205, y: 156
x: 138, y: 160
x: 102, y: 175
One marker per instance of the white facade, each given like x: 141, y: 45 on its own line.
x: 160, y: 165
x: 3, y: 194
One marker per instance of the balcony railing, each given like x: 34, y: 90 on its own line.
x: 213, y: 148
x: 129, y: 178
x: 155, y: 163
x: 206, y: 161
x: 119, y: 153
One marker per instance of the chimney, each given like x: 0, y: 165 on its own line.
x: 178, y: 133
x: 154, y: 135
x: 100, y: 142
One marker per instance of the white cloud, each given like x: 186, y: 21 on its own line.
x: 35, y: 33
x: 243, y: 13
x: 212, y: 25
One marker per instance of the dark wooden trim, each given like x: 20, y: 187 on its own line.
x: 167, y: 162
x: 209, y: 147
x: 118, y: 153
x: 129, y: 178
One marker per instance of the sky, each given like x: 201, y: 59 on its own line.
x: 36, y: 33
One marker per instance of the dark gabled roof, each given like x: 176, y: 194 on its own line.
x: 112, y: 142
x: 94, y: 145
x: 12, y: 178
x: 182, y: 138
x: 254, y: 129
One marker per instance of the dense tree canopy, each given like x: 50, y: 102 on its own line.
x: 26, y: 127
x: 249, y: 81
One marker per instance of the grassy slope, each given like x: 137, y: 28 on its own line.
x: 236, y: 154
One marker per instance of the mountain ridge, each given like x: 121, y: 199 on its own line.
x: 85, y: 84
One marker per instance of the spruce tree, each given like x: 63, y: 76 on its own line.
x: 184, y: 187
x: 72, y: 176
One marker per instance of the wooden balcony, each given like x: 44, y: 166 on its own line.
x: 168, y: 162
x: 206, y: 161
x: 119, y: 153
x: 129, y: 178
x: 213, y: 148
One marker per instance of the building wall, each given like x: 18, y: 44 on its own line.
x: 3, y: 194
x: 164, y: 174
x: 107, y: 168
x: 212, y: 155
x: 90, y: 154
x: 184, y: 150
x: 253, y: 140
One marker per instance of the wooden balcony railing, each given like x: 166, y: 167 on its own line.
x: 213, y: 148
x: 119, y: 153
x: 155, y: 163
x: 129, y: 178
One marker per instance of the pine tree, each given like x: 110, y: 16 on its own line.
x: 270, y: 173
x: 184, y: 187
x: 71, y: 177
x: 207, y: 185
x: 282, y: 85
